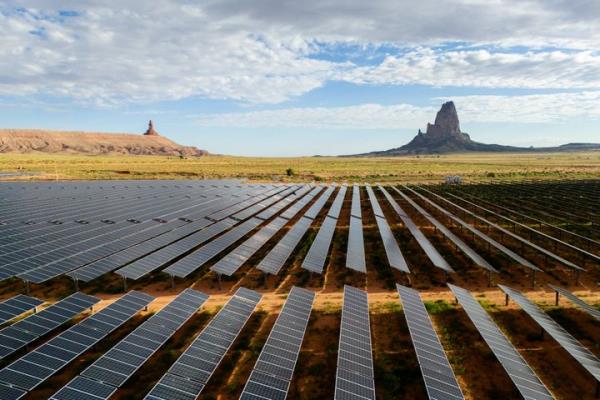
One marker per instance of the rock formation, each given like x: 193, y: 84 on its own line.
x: 446, y: 125
x: 150, y: 131
x: 93, y: 143
x: 445, y: 136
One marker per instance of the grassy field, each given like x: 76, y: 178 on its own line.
x: 411, y: 168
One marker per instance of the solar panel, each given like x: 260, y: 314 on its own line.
x: 317, y: 253
x: 336, y: 206
x: 479, y: 234
x: 263, y: 204
x: 196, y: 259
x: 105, y: 248
x: 157, y: 259
x: 315, y: 209
x: 355, y: 375
x: 173, y: 230
x: 17, y: 263
x: 229, y: 264
x: 392, y: 250
x: 274, y: 261
x: 115, y: 367
x: 273, y: 371
x: 277, y: 207
x: 511, y: 234
x: 438, y: 376
x: 430, y: 251
x: 526, y: 381
x: 585, y: 306
x: 17, y: 305
x: 465, y: 248
x: 32, y: 267
x: 27, y: 330
x: 190, y: 373
x: 355, y: 254
x: 586, y: 358
x: 527, y: 227
x: 222, y: 213
x: 300, y: 204
x: 34, y: 368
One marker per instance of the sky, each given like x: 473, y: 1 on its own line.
x: 289, y: 77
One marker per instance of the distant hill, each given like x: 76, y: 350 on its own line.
x: 92, y: 143
x: 444, y: 136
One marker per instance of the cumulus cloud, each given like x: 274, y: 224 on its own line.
x: 109, y: 56
x: 266, y: 51
x: 527, y: 109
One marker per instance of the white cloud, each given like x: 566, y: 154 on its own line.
x: 482, y: 68
x: 530, y: 109
x: 545, y: 108
x: 108, y: 56
x: 260, y: 51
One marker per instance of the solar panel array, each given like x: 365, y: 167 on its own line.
x: 201, y: 256
x: 158, y: 259
x: 17, y: 305
x: 274, y: 369
x: 195, y: 260
x: 44, y: 237
x: 276, y: 258
x: 528, y: 228
x: 267, y: 207
x: 27, y: 330
x: 38, y: 365
x: 582, y: 304
x: 392, y: 250
x: 108, y: 373
x: 154, y: 261
x: 355, y: 254
x: 173, y: 230
x: 95, y: 251
x: 229, y: 264
x: 458, y: 242
x: 585, y: 357
x: 505, y: 231
x: 317, y: 253
x: 99, y: 234
x: 430, y: 251
x: 438, y: 376
x: 526, y: 381
x: 476, y: 232
x: 190, y: 373
x: 355, y: 375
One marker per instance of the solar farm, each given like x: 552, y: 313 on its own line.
x: 224, y: 289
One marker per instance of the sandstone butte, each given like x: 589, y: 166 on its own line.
x: 92, y: 143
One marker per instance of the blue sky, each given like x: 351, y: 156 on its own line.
x: 284, y: 78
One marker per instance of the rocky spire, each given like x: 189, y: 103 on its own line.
x: 151, y: 131
x: 446, y: 123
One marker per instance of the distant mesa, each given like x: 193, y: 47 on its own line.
x: 444, y: 136
x: 92, y: 143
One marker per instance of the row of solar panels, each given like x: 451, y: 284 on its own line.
x: 354, y: 377
x: 28, y: 192
x: 108, y: 240
x: 35, y: 214
x: 273, y: 371
x: 143, y: 247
